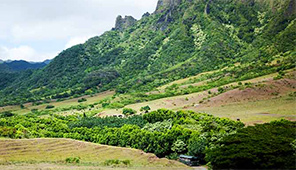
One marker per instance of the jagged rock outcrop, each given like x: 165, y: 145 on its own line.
x: 147, y: 14
x: 123, y: 23
x: 164, y: 5
x: 166, y: 8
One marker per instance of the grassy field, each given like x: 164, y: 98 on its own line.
x: 182, y: 81
x: 249, y: 112
x: 66, y: 103
x: 52, y: 153
x: 268, y: 100
x: 254, y: 111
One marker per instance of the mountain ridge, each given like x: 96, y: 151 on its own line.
x: 21, y: 65
x: 178, y: 40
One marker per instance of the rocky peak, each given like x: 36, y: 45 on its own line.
x: 147, y: 14
x: 123, y: 23
x: 163, y: 5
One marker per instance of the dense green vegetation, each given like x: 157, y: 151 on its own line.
x: 180, y: 40
x: 266, y: 146
x: 216, y: 79
x: 109, y: 122
x: 141, y: 132
x: 128, y: 111
x: 15, y: 66
x: 223, y: 142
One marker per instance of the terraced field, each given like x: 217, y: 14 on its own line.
x: 52, y: 153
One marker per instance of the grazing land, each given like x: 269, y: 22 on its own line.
x: 90, y: 99
x: 263, y: 100
x: 52, y: 154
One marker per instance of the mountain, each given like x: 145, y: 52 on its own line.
x: 180, y: 39
x: 46, y: 61
x: 20, y: 65
x: 11, y: 70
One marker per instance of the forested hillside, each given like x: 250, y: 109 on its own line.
x: 11, y: 70
x: 180, y: 39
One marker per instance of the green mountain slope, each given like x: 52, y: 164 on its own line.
x: 180, y: 39
x: 11, y: 70
x: 20, y: 65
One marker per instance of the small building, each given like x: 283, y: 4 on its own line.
x: 189, y: 160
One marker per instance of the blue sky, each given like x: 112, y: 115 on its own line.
x: 35, y: 30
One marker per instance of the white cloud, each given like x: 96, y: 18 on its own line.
x: 60, y: 19
x: 23, y: 52
x: 77, y: 40
x: 39, y: 23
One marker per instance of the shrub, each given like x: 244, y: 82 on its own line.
x: 126, y: 162
x: 82, y: 100
x: 73, y: 160
x: 221, y: 89
x: 179, y: 146
x: 49, y: 107
x: 22, y: 106
x: 6, y: 114
x: 128, y: 111
x: 145, y: 108
x: 34, y: 110
x: 115, y: 105
x: 110, y: 162
x: 116, y: 162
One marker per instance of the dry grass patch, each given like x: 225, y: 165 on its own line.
x: 56, y: 151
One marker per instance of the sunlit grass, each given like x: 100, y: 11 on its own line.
x: 57, y: 150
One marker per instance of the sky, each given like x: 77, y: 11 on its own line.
x: 35, y: 30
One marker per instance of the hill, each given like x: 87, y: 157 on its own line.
x: 52, y: 153
x: 180, y: 39
x: 21, y: 65
x: 17, y: 70
x: 257, y: 100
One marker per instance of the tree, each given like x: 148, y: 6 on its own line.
x: 22, y: 106
x: 128, y: 111
x: 197, y: 146
x: 179, y: 146
x: 82, y: 100
x: 145, y: 108
x: 266, y: 146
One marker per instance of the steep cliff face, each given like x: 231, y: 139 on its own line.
x: 123, y: 23
x: 163, y: 5
x: 165, y: 8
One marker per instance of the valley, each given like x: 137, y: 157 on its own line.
x: 208, y: 83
